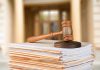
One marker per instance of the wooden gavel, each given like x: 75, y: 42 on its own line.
x: 66, y: 31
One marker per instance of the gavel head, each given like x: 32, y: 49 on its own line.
x: 67, y: 31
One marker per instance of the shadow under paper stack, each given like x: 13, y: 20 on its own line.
x: 44, y: 56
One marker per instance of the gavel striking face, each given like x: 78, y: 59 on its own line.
x: 66, y: 30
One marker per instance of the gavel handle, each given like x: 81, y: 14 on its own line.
x: 37, y: 38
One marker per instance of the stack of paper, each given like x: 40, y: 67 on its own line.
x: 44, y: 56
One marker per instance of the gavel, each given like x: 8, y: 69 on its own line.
x: 66, y: 31
x: 67, y: 41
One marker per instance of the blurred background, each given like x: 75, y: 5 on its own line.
x: 20, y: 19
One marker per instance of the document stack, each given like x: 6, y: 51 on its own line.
x: 44, y: 56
